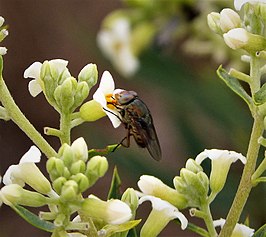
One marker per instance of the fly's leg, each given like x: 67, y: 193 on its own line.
x: 126, y: 138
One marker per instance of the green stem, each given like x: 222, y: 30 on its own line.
x: 65, y: 127
x: 208, y: 220
x: 246, y: 184
x: 24, y: 124
x: 196, y: 229
x: 259, y: 170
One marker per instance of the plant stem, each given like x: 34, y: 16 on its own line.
x: 208, y: 220
x: 246, y: 184
x: 65, y: 127
x: 24, y: 124
x: 259, y: 170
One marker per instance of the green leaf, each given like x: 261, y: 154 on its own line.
x: 112, y: 229
x: 114, y: 191
x: 234, y: 84
x: 261, y: 232
x: 260, y: 96
x: 33, y: 219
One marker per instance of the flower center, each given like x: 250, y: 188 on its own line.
x: 110, y: 101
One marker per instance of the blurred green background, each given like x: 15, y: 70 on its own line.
x: 191, y: 108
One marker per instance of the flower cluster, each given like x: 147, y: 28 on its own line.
x: 71, y: 173
x: 237, y: 33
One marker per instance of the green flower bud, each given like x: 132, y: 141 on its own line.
x: 67, y: 91
x: 69, y: 190
x: 67, y: 155
x: 78, y: 167
x: 55, y: 167
x: 193, y: 166
x: 66, y: 173
x: 89, y: 74
x: 82, y: 93
x: 58, y: 184
x: 14, y: 194
x: 82, y: 181
x: 96, y: 168
x: 130, y: 197
x: 91, y: 111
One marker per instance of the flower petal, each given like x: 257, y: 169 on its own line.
x: 33, y: 155
x: 59, y: 64
x: 33, y: 71
x: 107, y: 84
x: 239, y: 230
x: 34, y: 88
x: 167, y: 209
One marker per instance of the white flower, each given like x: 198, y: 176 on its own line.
x: 162, y: 212
x: 104, y: 96
x: 27, y: 172
x: 221, y: 162
x: 239, y: 3
x: 150, y: 185
x: 240, y: 230
x: 34, y: 71
x: 115, y: 44
x: 113, y: 211
x: 236, y: 38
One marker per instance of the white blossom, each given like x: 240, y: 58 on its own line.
x: 104, y: 96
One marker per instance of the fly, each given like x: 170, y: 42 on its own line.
x: 136, y: 117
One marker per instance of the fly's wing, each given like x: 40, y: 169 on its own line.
x: 144, y: 132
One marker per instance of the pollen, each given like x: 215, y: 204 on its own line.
x: 110, y: 101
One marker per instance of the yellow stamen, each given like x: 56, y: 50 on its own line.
x: 110, y: 101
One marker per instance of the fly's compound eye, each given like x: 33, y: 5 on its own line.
x: 125, y: 97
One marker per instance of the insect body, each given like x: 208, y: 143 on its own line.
x: 137, y: 119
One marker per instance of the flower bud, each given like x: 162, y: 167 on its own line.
x: 239, y: 38
x: 89, y: 74
x: 14, y: 194
x: 3, y: 34
x: 78, y: 167
x: 229, y: 19
x: 81, y: 180
x: 130, y: 197
x: 91, y: 111
x: 81, y: 94
x: 69, y: 190
x: 193, y: 166
x: 213, y: 20
x: 113, y: 211
x: 55, y: 167
x: 80, y: 149
x: 58, y: 184
x: 96, y: 168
